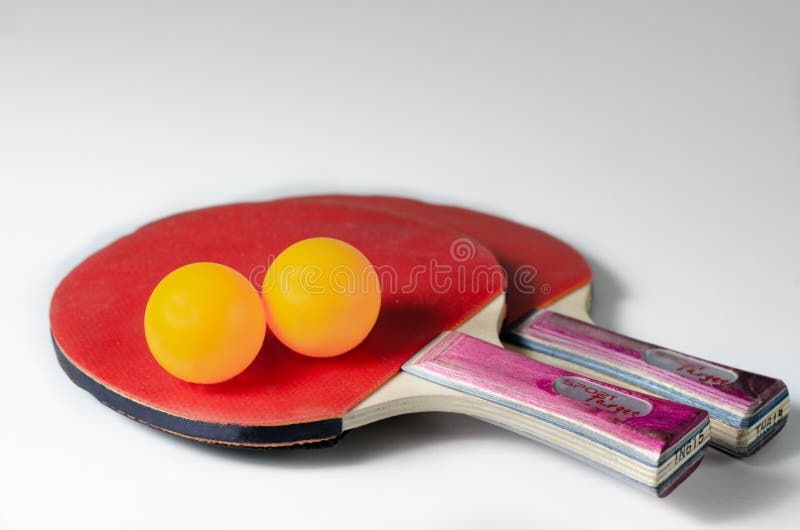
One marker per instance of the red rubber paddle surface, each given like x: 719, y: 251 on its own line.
x: 541, y: 269
x: 97, y: 311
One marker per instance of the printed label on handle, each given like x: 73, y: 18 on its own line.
x: 696, y: 369
x: 601, y: 397
x: 769, y: 422
x: 689, y: 448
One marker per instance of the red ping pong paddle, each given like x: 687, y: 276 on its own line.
x: 548, y: 301
x: 439, y: 292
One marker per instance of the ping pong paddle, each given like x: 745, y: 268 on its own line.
x: 439, y: 297
x: 548, y: 320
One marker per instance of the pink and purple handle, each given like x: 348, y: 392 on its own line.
x: 648, y: 441
x: 746, y: 409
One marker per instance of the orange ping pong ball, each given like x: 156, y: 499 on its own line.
x: 204, y: 323
x: 321, y: 297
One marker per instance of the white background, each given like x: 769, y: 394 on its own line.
x: 661, y: 139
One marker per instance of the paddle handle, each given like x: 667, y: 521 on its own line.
x: 746, y: 409
x: 597, y: 421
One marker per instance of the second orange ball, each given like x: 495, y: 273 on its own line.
x: 322, y: 297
